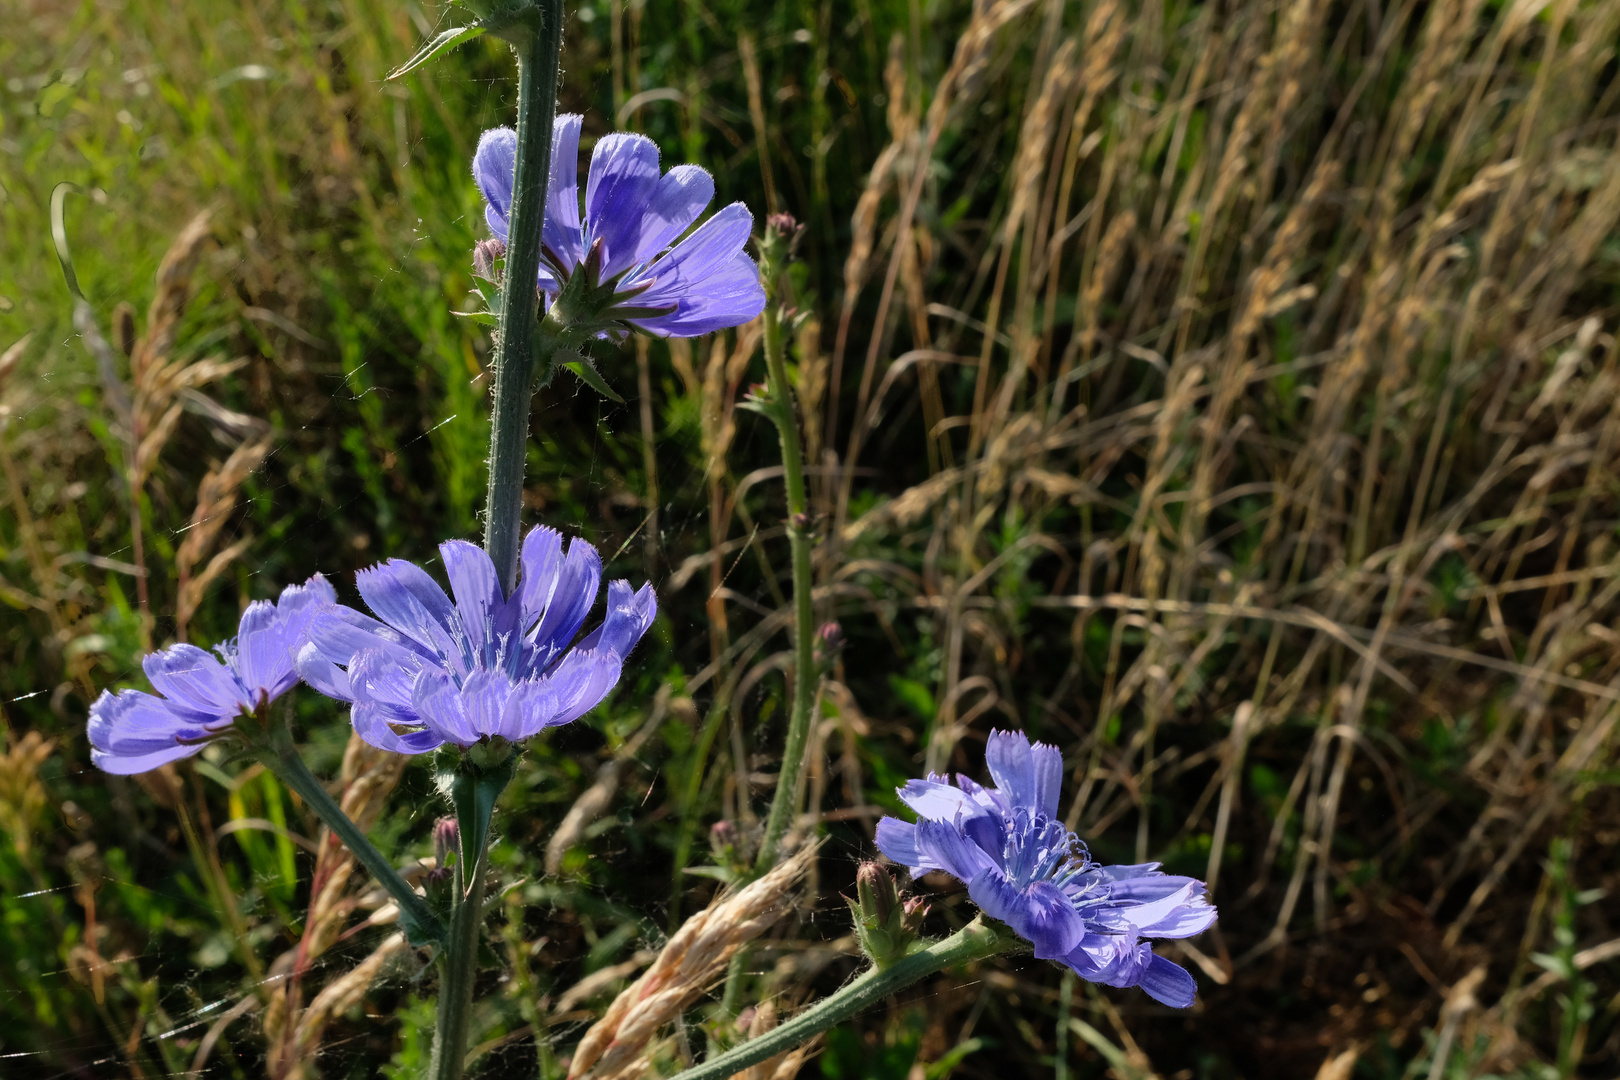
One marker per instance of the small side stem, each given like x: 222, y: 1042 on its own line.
x: 421, y: 926
x: 785, y: 801
x: 975, y: 941
x: 538, y: 53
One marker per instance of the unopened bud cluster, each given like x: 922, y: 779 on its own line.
x: 885, y: 925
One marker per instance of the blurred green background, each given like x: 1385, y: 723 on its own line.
x: 1225, y: 393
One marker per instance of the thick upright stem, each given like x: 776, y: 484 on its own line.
x: 786, y: 800
x: 538, y: 51
x: 420, y: 924
x: 460, y: 969
x: 975, y: 941
x: 473, y: 790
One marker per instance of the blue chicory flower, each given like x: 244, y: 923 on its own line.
x: 632, y: 216
x: 483, y: 665
x: 203, y: 694
x: 1024, y: 868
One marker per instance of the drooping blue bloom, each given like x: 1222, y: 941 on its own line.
x: 1024, y: 868
x: 483, y: 664
x: 203, y: 694
x: 632, y: 217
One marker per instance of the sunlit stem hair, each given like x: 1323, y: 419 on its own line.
x: 538, y: 50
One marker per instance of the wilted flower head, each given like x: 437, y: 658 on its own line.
x: 203, y: 694
x: 1023, y: 867
x: 632, y: 217
x: 484, y: 665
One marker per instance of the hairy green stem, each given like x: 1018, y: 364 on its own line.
x: 975, y: 941
x: 421, y: 926
x: 473, y: 791
x: 538, y: 46
x: 537, y: 40
x: 805, y: 678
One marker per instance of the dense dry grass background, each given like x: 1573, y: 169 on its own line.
x: 1226, y: 393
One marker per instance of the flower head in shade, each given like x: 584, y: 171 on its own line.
x: 481, y: 665
x: 619, y: 252
x: 204, y: 693
x: 1024, y: 868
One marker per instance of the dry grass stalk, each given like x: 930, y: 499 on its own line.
x: 1298, y: 331
x: 217, y: 496
x: 688, y: 965
x: 22, y: 796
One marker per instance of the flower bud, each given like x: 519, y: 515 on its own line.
x: 446, y: 840
x: 885, y: 925
x: 723, y: 842
x: 829, y: 642
x: 486, y: 253
x: 875, y: 888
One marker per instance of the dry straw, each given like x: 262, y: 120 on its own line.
x: 689, y: 964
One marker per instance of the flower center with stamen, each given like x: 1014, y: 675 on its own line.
x: 1040, y: 849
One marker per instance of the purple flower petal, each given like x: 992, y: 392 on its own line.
x: 494, y: 162
x: 946, y: 847
x: 939, y: 801
x: 988, y: 799
x: 133, y: 732
x: 1040, y: 914
x: 1048, y: 764
x: 1112, y: 961
x: 119, y: 764
x: 376, y: 678
x: 479, y: 600
x: 531, y: 708
x: 462, y: 714
x: 898, y: 840
x: 406, y: 598
x: 681, y: 195
x: 1169, y: 983
x: 306, y: 599
x: 1182, y: 914
x: 730, y: 297
x: 990, y: 833
x: 542, y: 563
x: 561, y: 231
x: 342, y: 633
x: 323, y: 676
x: 580, y: 682
x: 195, y: 681
x: 1008, y: 759
x: 628, y: 617
x: 709, y: 251
x: 372, y: 723
x: 267, y: 642
x: 624, y: 174
x: 576, y: 589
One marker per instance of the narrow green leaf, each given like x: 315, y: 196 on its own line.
x: 447, y: 40
x: 591, y: 377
